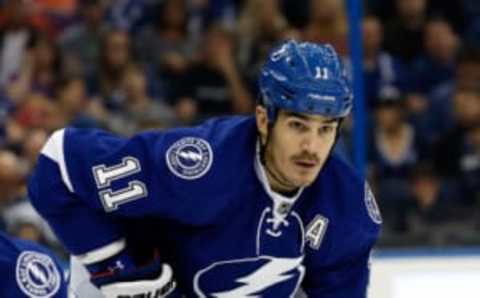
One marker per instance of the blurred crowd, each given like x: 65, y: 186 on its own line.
x: 130, y: 65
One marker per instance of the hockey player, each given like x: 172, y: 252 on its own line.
x: 28, y: 270
x: 238, y: 207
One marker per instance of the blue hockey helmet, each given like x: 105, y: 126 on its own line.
x: 305, y: 78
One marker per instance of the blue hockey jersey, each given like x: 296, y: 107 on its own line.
x: 209, y: 208
x: 28, y: 270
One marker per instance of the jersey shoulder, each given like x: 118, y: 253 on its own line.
x: 29, y: 269
x: 210, y: 163
x: 224, y: 143
x: 188, y: 153
x: 355, y: 201
x: 162, y: 173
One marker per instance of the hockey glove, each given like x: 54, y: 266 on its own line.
x: 154, y: 280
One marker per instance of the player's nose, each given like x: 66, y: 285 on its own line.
x: 310, y: 142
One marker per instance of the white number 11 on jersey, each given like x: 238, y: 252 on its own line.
x: 104, y: 176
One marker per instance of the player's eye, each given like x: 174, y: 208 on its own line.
x: 297, y: 125
x: 327, y: 129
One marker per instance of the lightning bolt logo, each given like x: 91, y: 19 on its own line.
x: 190, y: 155
x: 37, y: 274
x: 189, y: 158
x: 34, y: 269
x: 267, y: 272
x: 268, y: 275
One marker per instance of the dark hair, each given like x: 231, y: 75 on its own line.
x: 64, y: 81
x: 86, y: 3
x: 424, y: 169
x: 39, y: 37
x: 102, y: 59
x: 389, y: 96
x: 469, y: 54
x: 161, y: 22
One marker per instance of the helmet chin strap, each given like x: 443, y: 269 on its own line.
x: 263, y: 160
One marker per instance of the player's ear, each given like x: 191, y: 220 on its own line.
x: 262, y: 122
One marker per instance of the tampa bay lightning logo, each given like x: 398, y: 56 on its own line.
x: 37, y: 276
x: 189, y: 158
x: 276, y: 271
x: 372, y: 206
x: 263, y: 276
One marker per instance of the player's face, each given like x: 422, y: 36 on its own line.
x: 297, y: 149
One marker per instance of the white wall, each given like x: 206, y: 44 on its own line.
x: 425, y: 277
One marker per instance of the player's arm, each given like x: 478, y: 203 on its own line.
x: 63, y: 188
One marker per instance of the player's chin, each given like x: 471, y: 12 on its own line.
x: 305, y: 179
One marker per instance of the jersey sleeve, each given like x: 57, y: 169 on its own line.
x: 81, y: 179
x: 79, y: 227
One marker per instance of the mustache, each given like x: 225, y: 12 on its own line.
x: 306, y: 156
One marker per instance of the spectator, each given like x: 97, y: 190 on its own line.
x: 140, y: 111
x: 45, y: 66
x: 127, y: 15
x: 394, y: 152
x: 431, y: 209
x: 74, y: 104
x: 296, y: 12
x: 432, y: 115
x: 381, y: 70
x: 167, y: 44
x: 213, y: 86
x: 454, y: 12
x: 12, y: 178
x: 81, y: 43
x: 404, y: 31
x: 470, y: 168
x: 38, y: 111
x: 395, y: 146
x: 56, y: 14
x: 15, y: 209
x: 328, y: 24
x: 16, y: 34
x: 28, y: 231
x: 115, y: 59
x: 455, y: 144
x: 436, y: 66
x: 32, y: 146
x: 471, y: 11
x: 41, y: 65
x: 468, y: 70
x: 426, y: 187
x: 260, y: 25
x: 206, y: 12
x: 394, y: 149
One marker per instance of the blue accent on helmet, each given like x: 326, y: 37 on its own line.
x: 305, y: 78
